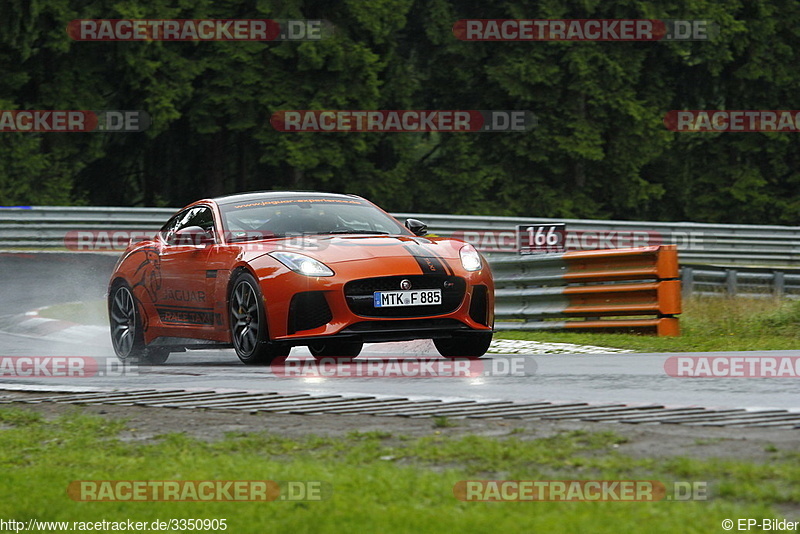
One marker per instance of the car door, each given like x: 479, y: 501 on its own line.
x: 185, y: 300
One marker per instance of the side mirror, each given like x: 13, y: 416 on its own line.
x: 418, y: 228
x: 192, y: 235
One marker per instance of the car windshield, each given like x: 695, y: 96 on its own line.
x: 264, y: 219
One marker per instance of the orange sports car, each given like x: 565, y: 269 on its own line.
x: 263, y: 272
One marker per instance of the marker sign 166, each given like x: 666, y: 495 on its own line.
x: 541, y: 238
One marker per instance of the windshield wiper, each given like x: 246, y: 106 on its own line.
x: 252, y: 237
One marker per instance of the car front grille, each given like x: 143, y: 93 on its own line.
x: 359, y: 295
x: 413, y: 325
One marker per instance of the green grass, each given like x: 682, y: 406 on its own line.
x: 442, y: 421
x: 707, y: 324
x: 92, y: 312
x: 380, y: 483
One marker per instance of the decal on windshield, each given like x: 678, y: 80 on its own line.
x: 299, y: 200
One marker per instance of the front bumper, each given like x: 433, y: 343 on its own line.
x: 341, y: 307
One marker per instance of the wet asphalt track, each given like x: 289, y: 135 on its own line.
x: 29, y: 281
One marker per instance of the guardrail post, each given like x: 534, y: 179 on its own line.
x: 779, y: 283
x: 687, y: 281
x: 730, y: 282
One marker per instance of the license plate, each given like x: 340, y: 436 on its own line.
x: 413, y: 297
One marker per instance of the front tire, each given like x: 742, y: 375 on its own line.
x: 248, y: 322
x: 127, y: 334
x: 470, y: 346
x: 340, y: 350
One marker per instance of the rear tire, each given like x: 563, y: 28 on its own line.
x: 340, y: 350
x: 248, y: 324
x: 470, y: 346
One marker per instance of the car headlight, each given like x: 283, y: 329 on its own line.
x: 470, y: 259
x: 302, y: 264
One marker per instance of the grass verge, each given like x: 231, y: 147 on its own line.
x: 380, y: 482
x: 91, y: 312
x: 707, y: 324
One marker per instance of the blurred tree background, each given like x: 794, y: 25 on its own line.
x: 600, y: 149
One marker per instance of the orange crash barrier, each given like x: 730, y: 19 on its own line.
x: 600, y: 290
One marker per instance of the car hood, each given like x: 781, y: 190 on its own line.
x: 333, y: 250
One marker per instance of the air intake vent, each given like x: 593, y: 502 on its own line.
x: 308, y: 310
x: 479, y: 306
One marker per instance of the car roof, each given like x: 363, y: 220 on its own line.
x: 273, y: 195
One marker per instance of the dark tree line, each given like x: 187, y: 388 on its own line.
x: 600, y: 149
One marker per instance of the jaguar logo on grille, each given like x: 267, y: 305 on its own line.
x: 405, y: 284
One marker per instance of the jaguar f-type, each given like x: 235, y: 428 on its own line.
x: 264, y: 272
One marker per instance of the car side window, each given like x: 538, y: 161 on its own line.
x: 169, y: 228
x: 201, y: 216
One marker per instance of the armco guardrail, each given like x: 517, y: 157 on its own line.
x: 722, y: 244
x: 713, y: 280
x: 590, y: 285
x: 727, y: 244
x: 49, y: 227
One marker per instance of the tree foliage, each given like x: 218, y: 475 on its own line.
x: 599, y: 150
